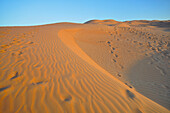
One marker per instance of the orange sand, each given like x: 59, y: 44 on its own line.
x: 101, y: 66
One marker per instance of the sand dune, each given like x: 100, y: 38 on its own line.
x: 106, y: 67
x: 106, y: 22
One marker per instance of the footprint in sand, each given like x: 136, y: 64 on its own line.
x: 149, y: 45
x: 135, y: 41
x: 119, y: 75
x: 130, y: 94
x: 4, y: 88
x: 38, y: 83
x: 15, y: 41
x: 153, y: 48
x: 140, y: 43
x: 68, y: 99
x: 23, y: 47
x: 113, y: 48
x: 108, y: 42
x: 20, y: 53
x: 114, y: 60
x: 128, y: 85
x: 15, y: 76
x: 30, y: 42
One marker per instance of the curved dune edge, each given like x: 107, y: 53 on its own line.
x: 137, y: 102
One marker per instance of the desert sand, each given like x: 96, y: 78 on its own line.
x: 100, y: 66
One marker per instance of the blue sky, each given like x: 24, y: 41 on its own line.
x: 38, y: 12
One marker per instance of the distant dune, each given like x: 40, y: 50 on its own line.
x: 101, y: 66
x: 102, y: 22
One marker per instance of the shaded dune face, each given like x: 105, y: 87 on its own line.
x: 68, y: 68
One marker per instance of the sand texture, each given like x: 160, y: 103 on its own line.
x: 101, y: 66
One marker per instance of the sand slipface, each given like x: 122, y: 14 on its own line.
x: 102, y: 66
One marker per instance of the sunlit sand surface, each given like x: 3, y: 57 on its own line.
x: 101, y: 66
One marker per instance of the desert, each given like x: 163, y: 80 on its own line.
x: 99, y: 66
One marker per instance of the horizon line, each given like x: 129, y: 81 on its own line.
x: 48, y: 23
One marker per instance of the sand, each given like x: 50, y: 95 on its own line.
x: 101, y: 66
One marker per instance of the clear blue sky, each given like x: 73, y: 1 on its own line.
x: 37, y: 12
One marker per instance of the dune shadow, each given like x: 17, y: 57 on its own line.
x: 150, y: 77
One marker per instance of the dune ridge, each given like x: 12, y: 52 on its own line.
x: 47, y: 69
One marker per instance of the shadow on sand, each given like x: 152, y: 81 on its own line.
x: 151, y: 76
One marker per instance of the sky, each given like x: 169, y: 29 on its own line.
x: 39, y: 12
